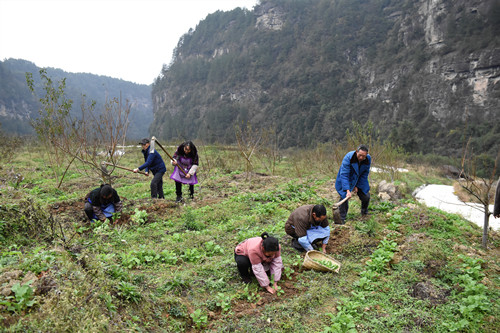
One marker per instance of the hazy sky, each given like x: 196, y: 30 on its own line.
x: 124, y: 39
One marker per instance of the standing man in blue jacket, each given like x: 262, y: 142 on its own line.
x: 154, y: 163
x: 352, y: 178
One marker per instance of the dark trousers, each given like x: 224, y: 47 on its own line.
x: 365, y: 200
x: 89, y: 211
x: 157, y: 185
x: 290, y: 230
x: 244, y: 266
x: 178, y: 189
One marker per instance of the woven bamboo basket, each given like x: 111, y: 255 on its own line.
x: 311, y: 264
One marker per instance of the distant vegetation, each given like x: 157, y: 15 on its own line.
x: 19, y: 102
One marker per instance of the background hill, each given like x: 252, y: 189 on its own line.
x: 18, y: 105
x: 425, y: 73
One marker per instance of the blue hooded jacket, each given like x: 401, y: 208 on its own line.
x: 353, y: 174
x: 153, y: 162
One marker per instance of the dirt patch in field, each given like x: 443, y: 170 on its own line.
x: 422, y: 221
x: 67, y: 207
x: 339, y: 238
x: 243, y: 308
x: 427, y: 291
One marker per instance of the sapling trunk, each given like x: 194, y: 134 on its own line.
x: 485, y: 227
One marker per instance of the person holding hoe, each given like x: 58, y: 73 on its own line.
x: 263, y: 256
x: 101, y: 203
x: 154, y: 163
x: 185, y: 157
x: 352, y: 178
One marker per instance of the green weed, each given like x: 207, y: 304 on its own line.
x: 22, y: 299
x: 168, y: 257
x: 381, y: 256
x: 128, y: 292
x: 192, y: 255
x: 212, y: 249
x: 140, y: 216
x: 108, y: 300
x: 177, y: 284
x: 223, y: 302
x: 200, y: 318
x: 251, y: 296
x: 191, y: 222
x: 368, y: 227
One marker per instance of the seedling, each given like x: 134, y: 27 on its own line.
x: 22, y: 299
x: 252, y: 297
x: 200, y: 318
x: 213, y: 249
x: 224, y: 302
x: 140, y: 216
x: 128, y: 292
x: 288, y: 271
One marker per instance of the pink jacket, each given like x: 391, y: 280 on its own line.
x: 252, y: 248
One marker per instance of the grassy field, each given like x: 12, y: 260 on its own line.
x: 164, y: 267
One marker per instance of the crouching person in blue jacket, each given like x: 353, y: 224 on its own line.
x: 352, y: 178
x: 307, y: 225
x: 101, y: 203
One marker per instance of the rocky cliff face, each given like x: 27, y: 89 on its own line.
x: 424, y: 72
x: 470, y: 77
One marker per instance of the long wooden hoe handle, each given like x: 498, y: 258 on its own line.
x: 124, y: 168
x: 337, y: 205
x: 166, y: 152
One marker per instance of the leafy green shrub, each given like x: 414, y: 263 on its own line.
x: 200, y: 318
x: 473, y: 303
x: 147, y: 256
x: 117, y: 273
x: 223, y: 302
x: 40, y: 261
x: 368, y: 227
x: 22, y: 299
x: 213, y: 249
x: 177, y: 309
x: 383, y: 206
x: 28, y: 222
x: 192, y: 255
x: 108, y: 300
x: 9, y: 256
x: 177, y: 284
x: 341, y: 322
x: 168, y: 257
x: 191, y: 222
x: 250, y: 295
x: 288, y: 272
x: 140, y: 216
x: 381, y: 256
x: 130, y: 260
x: 128, y: 292
x: 2, y: 230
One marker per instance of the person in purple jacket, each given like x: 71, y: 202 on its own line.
x: 185, y: 157
x: 260, y: 255
x: 352, y: 178
x: 154, y: 163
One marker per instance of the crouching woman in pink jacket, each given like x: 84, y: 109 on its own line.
x: 261, y: 254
